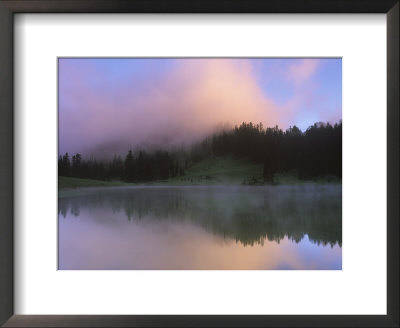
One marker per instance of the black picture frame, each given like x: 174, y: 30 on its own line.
x: 10, y: 7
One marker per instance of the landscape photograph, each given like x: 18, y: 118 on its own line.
x: 199, y: 163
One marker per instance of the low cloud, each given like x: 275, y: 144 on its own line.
x: 103, y: 116
x: 107, y: 107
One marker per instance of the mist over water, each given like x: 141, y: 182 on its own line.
x: 201, y: 227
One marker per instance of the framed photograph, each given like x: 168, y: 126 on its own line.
x: 156, y: 172
x: 180, y: 164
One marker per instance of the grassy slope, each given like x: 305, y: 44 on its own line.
x: 228, y: 170
x: 220, y: 170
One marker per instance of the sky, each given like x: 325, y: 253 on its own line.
x: 107, y: 106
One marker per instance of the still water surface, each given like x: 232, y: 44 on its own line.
x: 193, y: 227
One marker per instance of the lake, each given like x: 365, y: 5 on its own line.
x: 201, y: 228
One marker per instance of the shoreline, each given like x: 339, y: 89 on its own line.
x: 64, y: 191
x: 74, y: 183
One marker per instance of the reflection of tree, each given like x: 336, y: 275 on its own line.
x: 248, y: 215
x: 75, y: 209
x: 63, y: 208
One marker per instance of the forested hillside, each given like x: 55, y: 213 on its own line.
x: 316, y: 152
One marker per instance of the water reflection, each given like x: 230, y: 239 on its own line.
x: 273, y: 222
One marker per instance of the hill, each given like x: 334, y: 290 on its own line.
x: 220, y: 170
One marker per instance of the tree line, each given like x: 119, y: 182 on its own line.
x: 140, y: 166
x: 314, y: 153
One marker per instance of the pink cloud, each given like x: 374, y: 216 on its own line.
x: 191, y: 101
x: 302, y: 71
x: 103, y: 113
